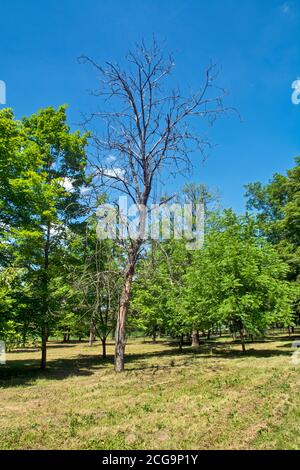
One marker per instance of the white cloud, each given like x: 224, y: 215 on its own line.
x: 113, y: 172
x: 85, y: 190
x: 67, y: 184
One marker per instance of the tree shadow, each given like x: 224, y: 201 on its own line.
x: 292, y: 337
x: 289, y: 344
x: 26, y: 371
x: 208, y: 351
x: 37, y: 349
x: 24, y: 350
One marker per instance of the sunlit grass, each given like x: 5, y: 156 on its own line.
x: 213, y: 398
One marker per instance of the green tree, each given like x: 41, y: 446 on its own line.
x: 237, y: 279
x: 40, y: 192
x: 277, y: 208
x: 277, y: 205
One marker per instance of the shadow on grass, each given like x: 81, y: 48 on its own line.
x: 211, y: 350
x: 26, y: 371
x: 50, y: 346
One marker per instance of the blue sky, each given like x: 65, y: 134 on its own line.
x: 255, y: 43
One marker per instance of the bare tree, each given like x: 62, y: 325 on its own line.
x: 99, y: 286
x: 146, y: 137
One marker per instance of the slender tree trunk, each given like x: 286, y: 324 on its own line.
x: 66, y: 335
x: 242, y: 340
x: 103, y: 341
x: 45, y: 306
x: 195, y: 339
x: 181, y: 342
x: 154, y: 334
x: 92, y: 333
x: 120, y: 341
x: 24, y: 336
x: 120, y: 338
x: 44, y: 347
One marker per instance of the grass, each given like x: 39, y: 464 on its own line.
x: 215, y: 398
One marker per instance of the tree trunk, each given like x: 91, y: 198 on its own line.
x: 103, y: 341
x: 154, y: 334
x: 92, y: 334
x: 66, y: 335
x: 24, y: 336
x: 44, y: 347
x: 181, y: 342
x: 120, y: 338
x: 45, y: 296
x: 242, y: 341
x: 195, y: 339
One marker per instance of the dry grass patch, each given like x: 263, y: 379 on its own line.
x: 210, y: 399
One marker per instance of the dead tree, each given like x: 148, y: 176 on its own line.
x: 144, y: 136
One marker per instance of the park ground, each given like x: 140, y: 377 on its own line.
x: 212, y: 398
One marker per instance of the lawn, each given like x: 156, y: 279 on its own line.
x: 214, y: 398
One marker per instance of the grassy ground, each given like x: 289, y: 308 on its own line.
x: 213, y: 399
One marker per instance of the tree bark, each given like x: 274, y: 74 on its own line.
x: 154, y: 334
x: 242, y: 341
x: 103, y: 341
x: 44, y: 347
x: 195, y: 339
x: 181, y: 343
x: 120, y: 338
x: 66, y: 335
x: 92, y: 334
x: 24, y: 336
x: 45, y: 296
